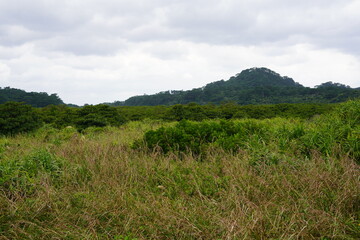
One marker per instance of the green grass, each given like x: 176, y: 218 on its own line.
x: 294, y: 179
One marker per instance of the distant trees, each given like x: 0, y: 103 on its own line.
x: 98, y: 116
x: 191, y: 111
x: 18, y: 118
x: 34, y: 99
x: 332, y: 84
x: 88, y: 116
x: 58, y: 116
x: 251, y: 86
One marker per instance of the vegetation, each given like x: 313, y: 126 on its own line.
x: 322, y: 134
x: 101, y: 115
x: 283, y: 177
x: 17, y: 118
x: 251, y: 86
x: 98, y: 116
x: 34, y: 99
x: 255, y: 86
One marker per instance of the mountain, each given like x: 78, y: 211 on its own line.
x: 36, y: 99
x: 251, y: 86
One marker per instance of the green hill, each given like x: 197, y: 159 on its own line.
x: 34, y: 99
x: 251, y: 86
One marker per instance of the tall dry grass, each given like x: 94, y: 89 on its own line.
x: 106, y: 190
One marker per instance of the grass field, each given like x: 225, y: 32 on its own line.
x: 297, y: 179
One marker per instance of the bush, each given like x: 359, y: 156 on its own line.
x: 98, y: 116
x: 18, y: 118
x: 196, y: 137
x: 20, y: 176
x: 58, y: 116
x: 333, y: 134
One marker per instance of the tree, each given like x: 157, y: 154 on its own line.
x: 35, y: 99
x: 98, y: 116
x: 18, y: 118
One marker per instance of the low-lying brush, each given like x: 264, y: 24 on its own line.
x: 329, y: 134
x: 245, y: 179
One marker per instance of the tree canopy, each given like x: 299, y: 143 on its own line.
x: 251, y: 86
x: 35, y: 99
x: 18, y: 118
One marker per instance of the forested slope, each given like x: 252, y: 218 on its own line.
x: 34, y: 99
x: 251, y: 86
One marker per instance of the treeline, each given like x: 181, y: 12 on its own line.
x: 256, y: 95
x: 35, y: 99
x: 18, y: 117
x: 251, y: 86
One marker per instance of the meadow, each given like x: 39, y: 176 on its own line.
x: 278, y: 178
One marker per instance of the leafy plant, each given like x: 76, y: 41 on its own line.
x: 20, y: 175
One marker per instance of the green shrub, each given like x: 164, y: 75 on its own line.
x: 58, y: 116
x: 98, y: 116
x: 20, y: 176
x: 332, y: 134
x: 18, y: 118
x: 196, y: 137
x: 338, y: 128
x: 91, y: 120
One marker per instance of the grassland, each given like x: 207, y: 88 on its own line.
x: 297, y: 179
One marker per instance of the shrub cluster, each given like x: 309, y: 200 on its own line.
x: 328, y: 134
x: 196, y: 112
x: 18, y: 118
x: 104, y: 115
x: 18, y: 177
x: 196, y: 137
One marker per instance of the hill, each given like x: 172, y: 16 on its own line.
x: 251, y: 86
x: 35, y: 99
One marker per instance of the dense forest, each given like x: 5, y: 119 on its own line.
x: 35, y: 99
x: 251, y: 86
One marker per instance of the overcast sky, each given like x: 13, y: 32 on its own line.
x: 94, y: 51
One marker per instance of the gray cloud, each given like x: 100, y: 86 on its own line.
x: 140, y: 46
x: 85, y: 25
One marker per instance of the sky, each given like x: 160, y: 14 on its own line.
x: 95, y: 51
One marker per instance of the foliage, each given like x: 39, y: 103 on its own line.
x: 278, y: 178
x: 342, y: 126
x: 18, y: 118
x: 34, y: 99
x: 323, y: 134
x: 136, y: 113
x: 59, y: 116
x: 18, y: 177
x: 103, y: 115
x: 98, y: 116
x: 251, y: 86
x: 196, y: 112
x: 88, y: 116
x: 195, y: 137
x: 62, y: 184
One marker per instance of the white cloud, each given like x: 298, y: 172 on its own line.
x: 4, y: 73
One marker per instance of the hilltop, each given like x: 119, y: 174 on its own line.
x: 251, y: 86
x: 35, y: 99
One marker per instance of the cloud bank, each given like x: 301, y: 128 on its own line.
x: 96, y: 51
